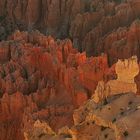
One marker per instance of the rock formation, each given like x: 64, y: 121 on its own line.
x: 95, y: 26
x: 126, y: 71
x: 43, y: 79
x: 50, y: 17
x: 115, y: 117
x: 46, y: 79
x: 41, y: 130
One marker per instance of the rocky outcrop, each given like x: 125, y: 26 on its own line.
x: 46, y: 79
x: 40, y: 130
x: 114, y: 118
x: 126, y: 71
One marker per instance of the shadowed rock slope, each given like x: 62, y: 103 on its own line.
x: 46, y: 79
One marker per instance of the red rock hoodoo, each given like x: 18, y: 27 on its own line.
x: 44, y: 79
x: 69, y: 69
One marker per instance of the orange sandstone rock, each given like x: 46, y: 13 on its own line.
x: 126, y: 71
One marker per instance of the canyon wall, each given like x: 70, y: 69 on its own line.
x: 46, y: 79
x: 94, y: 26
x: 49, y: 16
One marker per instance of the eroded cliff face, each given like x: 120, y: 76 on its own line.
x: 114, y: 117
x: 52, y: 17
x: 46, y: 79
x: 43, y: 80
x: 112, y: 28
x: 95, y: 26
